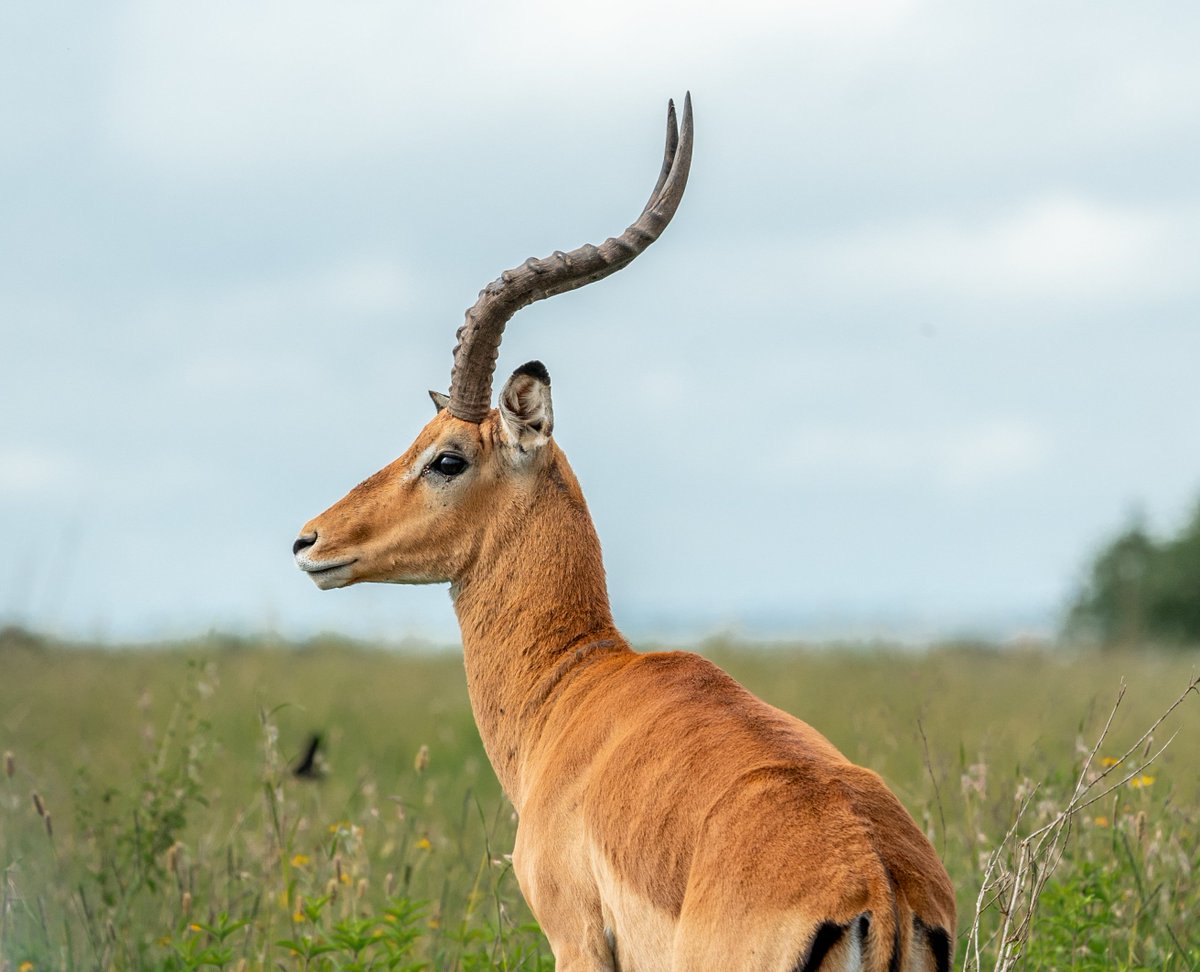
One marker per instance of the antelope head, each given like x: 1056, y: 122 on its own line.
x: 425, y: 518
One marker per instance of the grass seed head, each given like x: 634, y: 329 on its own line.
x: 10, y: 764
x: 421, y: 763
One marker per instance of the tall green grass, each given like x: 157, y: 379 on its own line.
x: 169, y: 832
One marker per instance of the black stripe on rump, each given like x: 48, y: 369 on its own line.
x: 939, y: 943
x: 828, y: 935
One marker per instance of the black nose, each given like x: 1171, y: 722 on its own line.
x: 303, y: 542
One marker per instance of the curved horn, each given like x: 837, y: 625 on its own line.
x: 480, y: 334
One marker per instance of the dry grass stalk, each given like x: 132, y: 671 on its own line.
x: 1016, y: 888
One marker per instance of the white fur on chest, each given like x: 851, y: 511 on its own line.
x: 644, y: 934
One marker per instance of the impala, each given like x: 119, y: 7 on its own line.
x: 668, y: 819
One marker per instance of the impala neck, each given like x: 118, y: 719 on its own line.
x: 532, y: 607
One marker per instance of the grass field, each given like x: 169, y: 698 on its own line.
x: 149, y: 818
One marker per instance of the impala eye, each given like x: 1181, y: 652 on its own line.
x: 449, y: 464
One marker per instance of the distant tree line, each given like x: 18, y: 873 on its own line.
x: 1142, y: 591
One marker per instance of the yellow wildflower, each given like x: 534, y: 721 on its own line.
x: 194, y: 927
x: 424, y: 844
x: 1100, y: 821
x: 1109, y: 761
x: 1140, y: 782
x: 25, y: 967
x: 297, y: 917
x: 300, y: 860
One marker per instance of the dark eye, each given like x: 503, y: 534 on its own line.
x: 449, y: 464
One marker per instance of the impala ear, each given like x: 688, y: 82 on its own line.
x: 440, y: 401
x: 526, y: 414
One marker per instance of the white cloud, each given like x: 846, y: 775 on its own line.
x: 364, y: 285
x: 995, y: 451
x: 224, y: 86
x: 662, y: 391
x: 370, y: 285
x: 919, y: 165
x: 1052, y: 248
x: 28, y: 470
x: 957, y: 459
x: 308, y: 310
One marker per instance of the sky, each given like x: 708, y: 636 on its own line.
x: 922, y: 335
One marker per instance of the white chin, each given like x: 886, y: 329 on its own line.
x: 328, y: 580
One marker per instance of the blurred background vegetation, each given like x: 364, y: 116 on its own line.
x: 1142, y: 590
x: 150, y: 815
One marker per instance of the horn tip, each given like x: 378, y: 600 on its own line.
x: 685, y: 130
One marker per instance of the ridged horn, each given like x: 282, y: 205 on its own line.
x: 481, y: 331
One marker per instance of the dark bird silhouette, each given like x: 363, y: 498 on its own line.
x: 309, y: 766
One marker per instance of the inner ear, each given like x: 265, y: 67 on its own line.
x: 526, y: 412
x: 440, y: 401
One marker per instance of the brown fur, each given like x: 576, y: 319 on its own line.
x: 658, y: 799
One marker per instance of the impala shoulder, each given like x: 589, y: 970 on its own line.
x: 686, y: 669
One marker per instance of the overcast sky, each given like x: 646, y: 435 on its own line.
x: 923, y: 333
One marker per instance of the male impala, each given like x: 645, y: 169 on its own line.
x: 668, y: 818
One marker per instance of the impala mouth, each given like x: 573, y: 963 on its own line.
x: 326, y: 574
